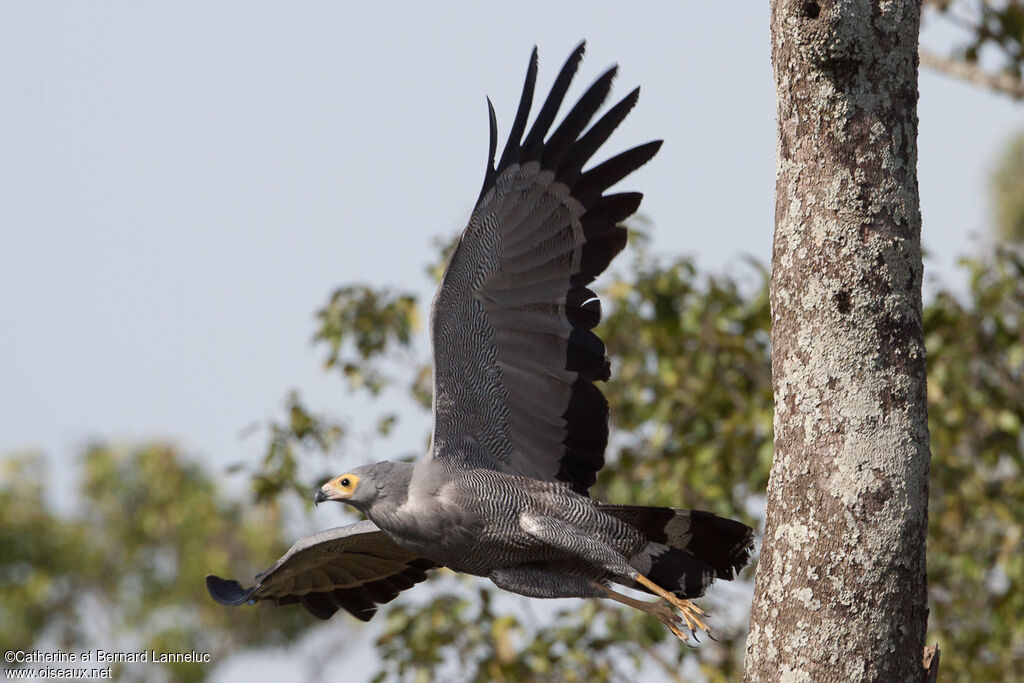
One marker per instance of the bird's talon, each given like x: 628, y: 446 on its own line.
x: 691, y: 615
x: 691, y: 641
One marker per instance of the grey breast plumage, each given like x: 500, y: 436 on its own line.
x: 515, y: 355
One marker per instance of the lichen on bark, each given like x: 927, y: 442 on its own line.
x: 841, y: 580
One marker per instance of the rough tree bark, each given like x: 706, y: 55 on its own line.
x: 840, y: 590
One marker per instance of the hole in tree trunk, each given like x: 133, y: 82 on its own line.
x: 810, y: 10
x: 842, y: 300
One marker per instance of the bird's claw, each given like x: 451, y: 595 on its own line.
x: 670, y: 618
x: 682, y: 625
x: 690, y: 615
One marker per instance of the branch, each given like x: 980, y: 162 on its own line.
x: 972, y: 73
x: 931, y: 664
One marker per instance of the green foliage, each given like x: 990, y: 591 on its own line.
x: 691, y: 402
x: 300, y: 432
x: 41, y: 558
x: 691, y: 381
x: 360, y: 326
x: 475, y: 640
x: 976, y: 508
x: 692, y: 407
x: 1008, y: 192
x: 127, y: 572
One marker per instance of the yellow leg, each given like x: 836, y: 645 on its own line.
x: 663, y: 612
x: 691, y: 613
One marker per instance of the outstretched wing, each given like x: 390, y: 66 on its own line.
x: 355, y: 567
x: 515, y: 357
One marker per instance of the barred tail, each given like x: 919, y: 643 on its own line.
x: 686, y: 549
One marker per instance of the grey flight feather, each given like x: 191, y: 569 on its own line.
x: 515, y: 359
x: 354, y: 567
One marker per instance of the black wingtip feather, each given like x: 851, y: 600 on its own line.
x: 586, y: 402
x: 320, y: 605
x: 586, y: 420
x: 585, y: 148
x: 588, y: 443
x: 534, y: 143
x: 597, y: 254
x: 383, y: 590
x: 579, y: 473
x: 586, y: 355
x: 598, y: 179
x: 510, y: 154
x: 227, y: 591
x: 619, y: 206
x: 356, y: 601
x: 582, y: 307
x: 566, y: 152
x: 490, y: 173
x: 576, y: 120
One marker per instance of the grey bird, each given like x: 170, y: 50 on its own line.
x: 520, y: 428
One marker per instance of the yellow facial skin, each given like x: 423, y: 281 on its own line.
x: 341, y: 487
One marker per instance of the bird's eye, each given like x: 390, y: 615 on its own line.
x: 346, y: 482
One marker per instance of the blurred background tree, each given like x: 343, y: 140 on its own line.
x: 692, y: 421
x: 129, y: 567
x: 1008, y: 192
x: 691, y: 406
x: 691, y: 401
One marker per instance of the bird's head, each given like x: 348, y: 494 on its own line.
x: 359, y: 487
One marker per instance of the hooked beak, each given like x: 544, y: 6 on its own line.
x: 332, y: 490
x: 320, y: 496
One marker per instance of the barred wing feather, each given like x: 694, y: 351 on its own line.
x: 355, y: 567
x: 515, y: 357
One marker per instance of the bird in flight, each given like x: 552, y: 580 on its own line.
x: 520, y: 427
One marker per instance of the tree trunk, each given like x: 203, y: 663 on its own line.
x: 841, y: 592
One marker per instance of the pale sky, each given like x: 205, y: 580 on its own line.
x: 182, y: 184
